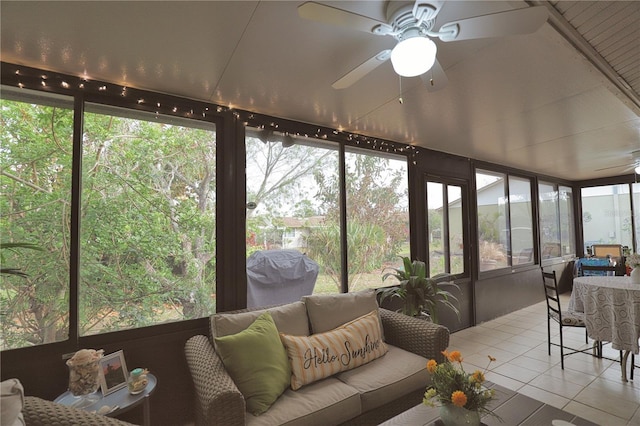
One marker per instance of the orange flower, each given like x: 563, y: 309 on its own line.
x: 455, y: 356
x: 458, y: 398
x: 491, y: 359
x: 477, y: 377
x: 431, y: 365
x: 445, y: 353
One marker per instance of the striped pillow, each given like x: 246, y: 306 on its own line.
x: 324, y: 354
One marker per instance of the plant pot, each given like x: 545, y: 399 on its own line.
x: 451, y: 415
x: 488, y: 264
x: 635, y: 275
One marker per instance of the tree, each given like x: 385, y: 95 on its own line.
x: 376, y: 225
x: 35, y: 181
x: 276, y: 174
x: 278, y: 182
x: 147, y: 221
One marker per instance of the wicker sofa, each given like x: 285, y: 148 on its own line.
x: 367, y: 394
x: 40, y: 412
x: 16, y: 409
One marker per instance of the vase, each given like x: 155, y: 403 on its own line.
x: 635, y: 275
x: 452, y: 415
x: 84, y: 369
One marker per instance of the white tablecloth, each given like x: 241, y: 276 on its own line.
x: 611, y: 307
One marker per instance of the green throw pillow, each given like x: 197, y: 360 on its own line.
x: 257, y: 362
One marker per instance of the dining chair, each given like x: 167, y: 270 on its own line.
x: 563, y: 318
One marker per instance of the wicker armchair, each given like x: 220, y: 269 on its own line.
x: 40, y: 412
x: 219, y: 402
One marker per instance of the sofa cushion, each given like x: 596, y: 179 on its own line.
x: 329, y: 311
x: 394, y: 375
x: 324, y: 354
x: 327, y: 402
x: 11, y: 402
x: 290, y: 319
x: 257, y: 363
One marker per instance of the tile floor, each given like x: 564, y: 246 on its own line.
x: 589, y: 387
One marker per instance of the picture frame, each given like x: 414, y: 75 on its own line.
x: 113, y: 372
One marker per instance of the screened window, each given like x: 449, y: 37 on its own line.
x: 606, y: 215
x: 445, y: 228
x: 36, y: 132
x: 148, y: 247
x: 293, y: 204
x: 557, y: 231
x: 505, y: 220
x: 549, y: 207
x: 492, y: 220
x: 521, y: 218
x: 377, y: 215
x: 295, y: 195
x: 636, y: 214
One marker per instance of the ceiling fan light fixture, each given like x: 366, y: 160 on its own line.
x: 413, y: 56
x: 637, y: 169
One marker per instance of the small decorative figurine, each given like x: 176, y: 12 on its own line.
x: 137, y: 380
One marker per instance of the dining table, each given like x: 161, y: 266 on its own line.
x: 611, y: 308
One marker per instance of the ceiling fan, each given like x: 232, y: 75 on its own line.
x: 633, y: 165
x: 412, y: 25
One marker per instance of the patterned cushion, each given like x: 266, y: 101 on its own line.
x: 321, y: 355
x: 569, y: 319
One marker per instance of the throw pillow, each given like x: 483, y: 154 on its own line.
x: 290, y: 318
x: 328, y: 311
x: 11, y: 402
x: 322, y: 355
x: 257, y: 362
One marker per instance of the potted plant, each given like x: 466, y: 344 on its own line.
x: 490, y: 254
x: 419, y: 292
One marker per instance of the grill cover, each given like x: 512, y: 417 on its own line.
x: 279, y: 276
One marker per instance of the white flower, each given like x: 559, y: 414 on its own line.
x: 633, y: 260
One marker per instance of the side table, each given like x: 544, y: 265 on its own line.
x: 121, y: 398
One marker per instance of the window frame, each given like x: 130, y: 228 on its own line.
x: 446, y: 182
x: 487, y: 169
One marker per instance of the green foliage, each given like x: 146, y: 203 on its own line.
x: 449, y: 377
x: 147, y: 222
x: 487, y: 226
x: 14, y: 247
x: 376, y: 227
x: 418, y: 291
x: 323, y: 245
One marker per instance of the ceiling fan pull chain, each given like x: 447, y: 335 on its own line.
x: 400, y: 85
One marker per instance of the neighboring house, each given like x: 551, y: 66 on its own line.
x: 296, y: 230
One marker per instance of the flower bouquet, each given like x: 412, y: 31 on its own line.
x: 633, y: 261
x: 455, y: 389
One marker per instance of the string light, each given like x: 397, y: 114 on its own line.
x: 245, y: 117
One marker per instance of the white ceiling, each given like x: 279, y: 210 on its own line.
x: 531, y: 102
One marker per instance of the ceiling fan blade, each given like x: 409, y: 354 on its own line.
x: 616, y: 167
x: 520, y: 21
x: 332, y: 15
x: 361, y: 70
x: 435, y: 79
